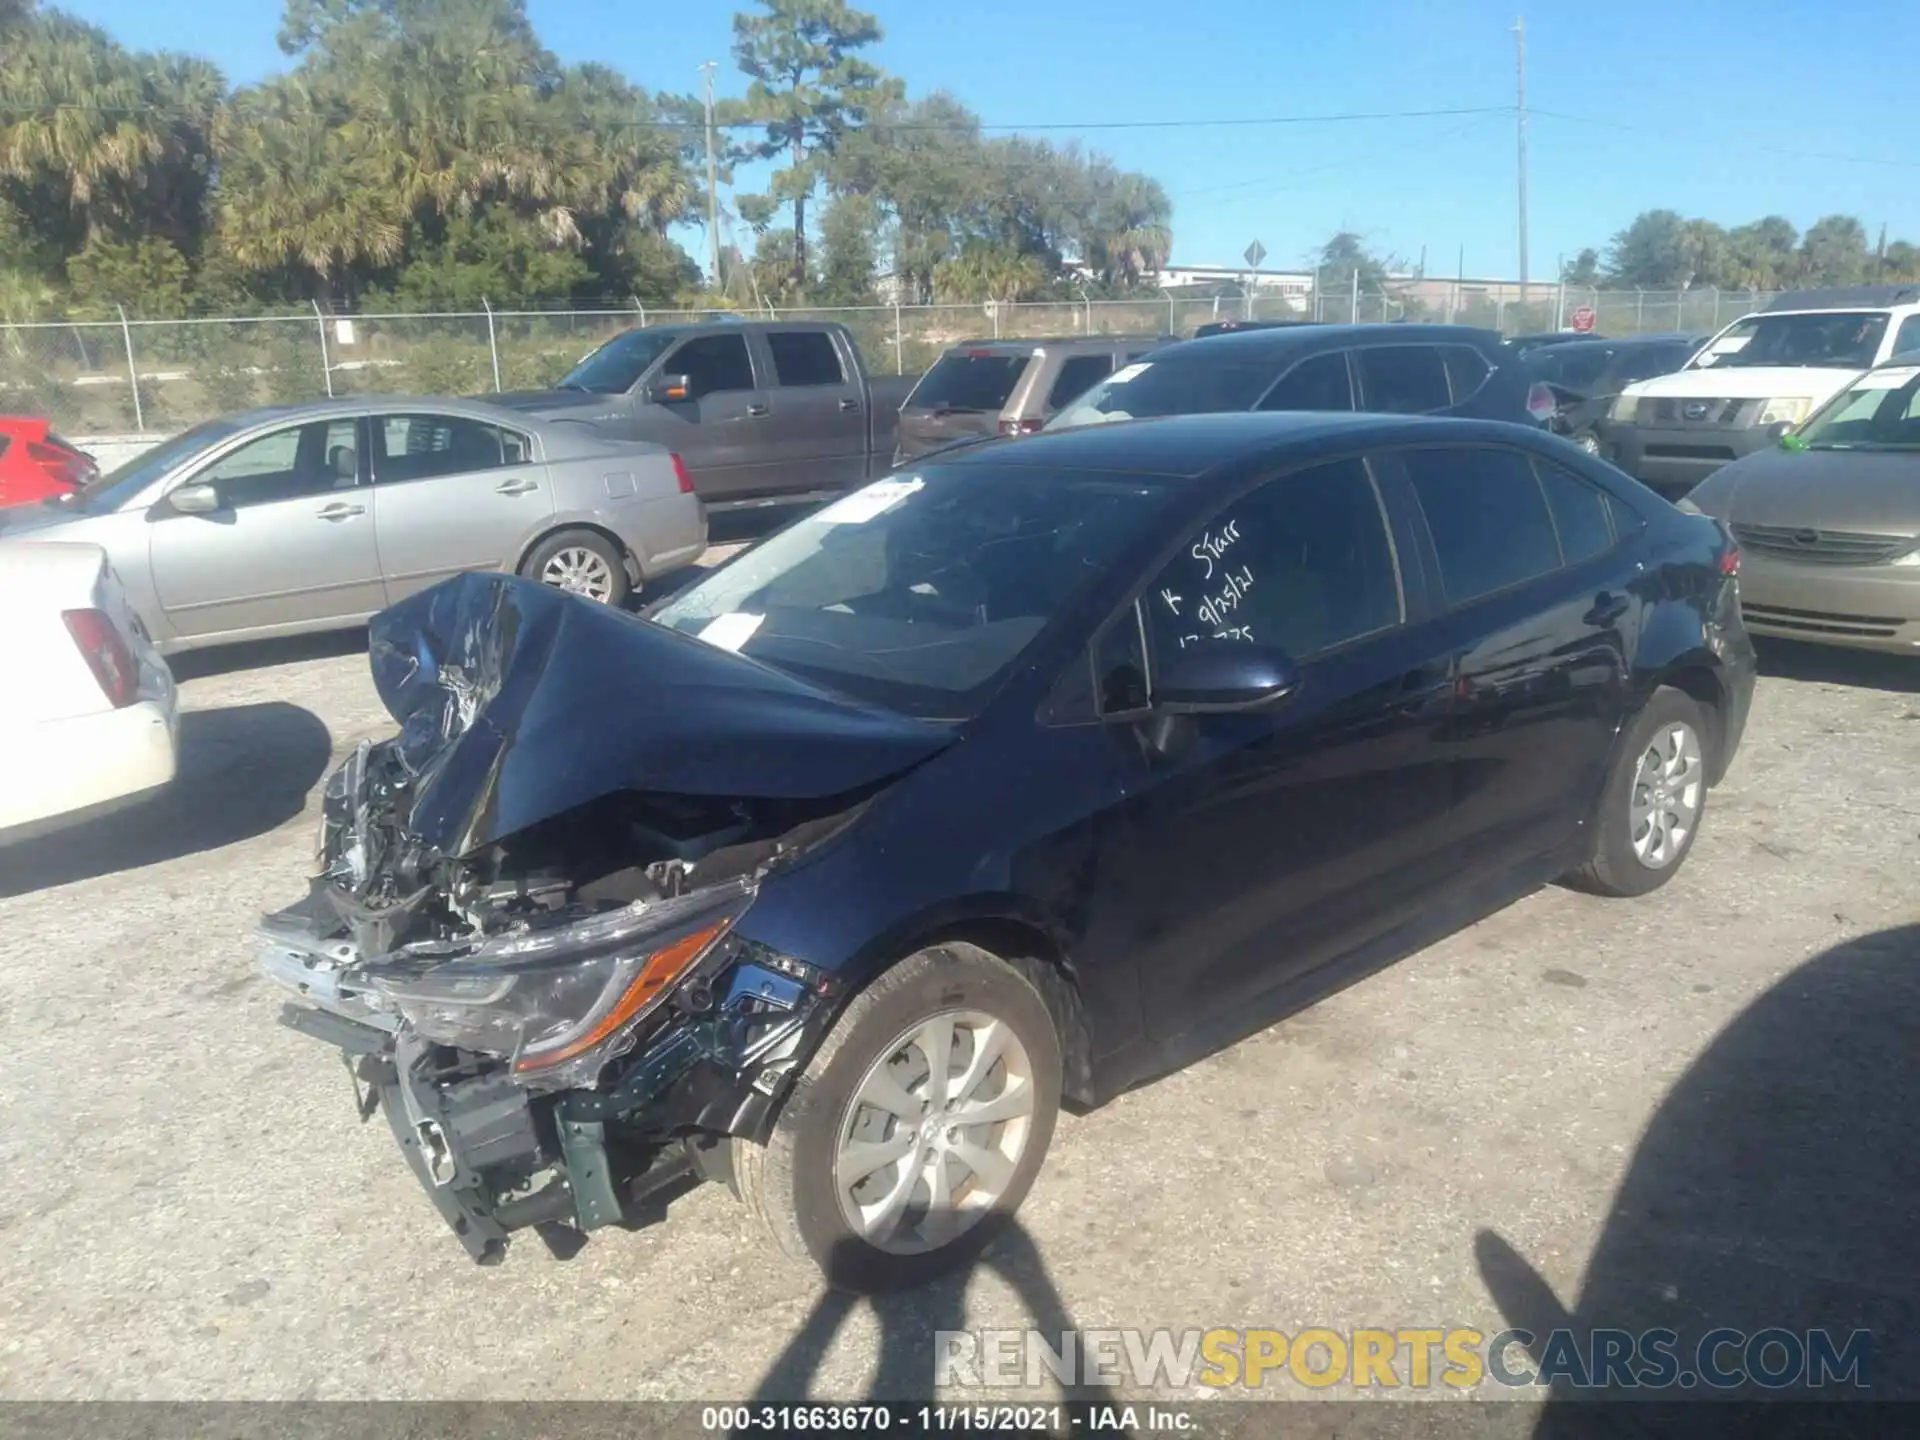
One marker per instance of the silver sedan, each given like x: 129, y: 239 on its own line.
x: 313, y: 517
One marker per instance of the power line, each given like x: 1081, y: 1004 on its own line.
x: 1745, y: 145
x: 1281, y: 184
x: 883, y: 127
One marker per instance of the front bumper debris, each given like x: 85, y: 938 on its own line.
x: 496, y: 1158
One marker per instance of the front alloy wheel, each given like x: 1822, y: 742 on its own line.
x: 918, y: 1126
x: 935, y: 1132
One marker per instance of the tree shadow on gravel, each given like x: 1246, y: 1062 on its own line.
x: 1777, y: 1187
x: 244, y: 770
x: 1833, y: 665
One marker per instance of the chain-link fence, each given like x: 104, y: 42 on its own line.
x: 122, y: 376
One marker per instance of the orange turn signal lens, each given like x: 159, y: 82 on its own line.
x: 663, y: 967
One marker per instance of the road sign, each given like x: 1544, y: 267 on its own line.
x: 1255, y: 253
x: 1582, y: 320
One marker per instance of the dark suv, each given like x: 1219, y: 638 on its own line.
x: 1585, y: 376
x: 1392, y: 369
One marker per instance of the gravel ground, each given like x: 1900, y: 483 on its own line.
x: 1694, y: 1101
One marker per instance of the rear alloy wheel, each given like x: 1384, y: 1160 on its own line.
x: 580, y: 562
x: 1649, y: 813
x: 919, y: 1126
x: 1588, y: 441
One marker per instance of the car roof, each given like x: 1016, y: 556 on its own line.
x: 1024, y: 345
x: 1299, y: 339
x: 478, y: 409
x: 1190, y: 446
x: 1844, y: 297
x: 1624, y: 340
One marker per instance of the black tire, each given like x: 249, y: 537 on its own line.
x: 1613, y: 867
x: 789, y: 1183
x: 594, y: 543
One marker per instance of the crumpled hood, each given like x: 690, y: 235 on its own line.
x: 518, y: 703
x: 1867, y: 491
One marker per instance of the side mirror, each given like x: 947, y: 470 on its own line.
x: 668, y: 390
x: 194, y: 500
x: 1224, y: 675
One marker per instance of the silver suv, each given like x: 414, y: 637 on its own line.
x: 1006, y: 387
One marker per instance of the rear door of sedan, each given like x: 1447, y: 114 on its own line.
x: 1537, y: 576
x: 452, y: 493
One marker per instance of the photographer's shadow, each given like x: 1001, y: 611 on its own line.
x: 909, y: 1322
x: 1777, y: 1188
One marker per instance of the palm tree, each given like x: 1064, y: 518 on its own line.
x: 293, y: 190
x: 76, y: 117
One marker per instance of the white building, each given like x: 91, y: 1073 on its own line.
x: 1292, y: 283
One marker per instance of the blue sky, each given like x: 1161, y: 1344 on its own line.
x: 1714, y: 91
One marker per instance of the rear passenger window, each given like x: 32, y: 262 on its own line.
x: 1403, y: 379
x: 1077, y: 376
x: 805, y: 357
x: 1321, y: 383
x: 1467, y: 370
x: 1487, y: 516
x: 1579, y: 513
x: 1302, y: 563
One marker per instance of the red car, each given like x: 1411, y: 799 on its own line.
x: 36, y: 464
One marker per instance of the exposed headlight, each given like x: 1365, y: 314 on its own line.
x: 1622, y: 408
x: 559, y: 1003
x: 1785, y: 411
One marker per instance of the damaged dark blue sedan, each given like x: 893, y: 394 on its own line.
x: 1014, y: 778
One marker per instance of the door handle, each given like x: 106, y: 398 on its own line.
x: 338, y: 511
x: 1423, y: 686
x: 755, y: 411
x: 1607, y: 608
x: 516, y: 487
x: 849, y: 404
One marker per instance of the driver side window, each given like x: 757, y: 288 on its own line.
x: 712, y: 364
x: 1302, y: 564
x: 290, y: 464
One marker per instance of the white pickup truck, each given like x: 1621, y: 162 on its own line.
x: 88, y: 710
x: 1755, y: 381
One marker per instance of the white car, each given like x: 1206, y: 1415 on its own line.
x: 89, y: 716
x: 1754, y: 381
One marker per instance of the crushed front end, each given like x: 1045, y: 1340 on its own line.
x: 549, y: 1052
x: 526, y: 944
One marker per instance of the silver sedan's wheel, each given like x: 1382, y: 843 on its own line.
x: 935, y: 1132
x: 1588, y: 442
x: 1668, y: 787
x: 581, y: 562
x: 578, y: 571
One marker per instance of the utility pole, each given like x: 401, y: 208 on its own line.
x: 713, y: 183
x: 1520, y: 36
x: 1880, y: 254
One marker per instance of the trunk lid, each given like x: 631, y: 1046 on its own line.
x: 518, y: 703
